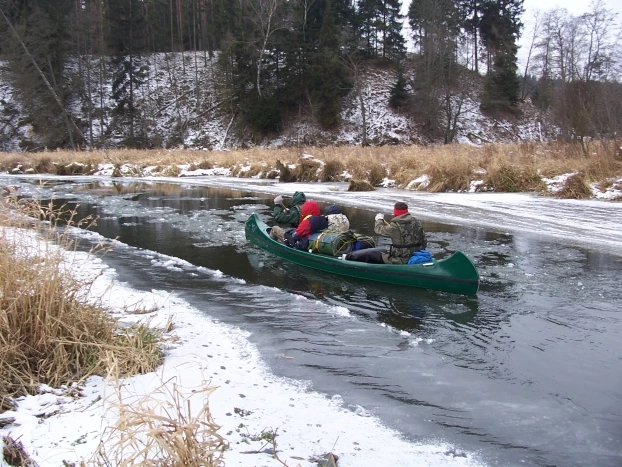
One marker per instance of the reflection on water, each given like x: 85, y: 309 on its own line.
x: 527, y: 371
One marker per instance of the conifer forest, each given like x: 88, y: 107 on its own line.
x: 82, y: 73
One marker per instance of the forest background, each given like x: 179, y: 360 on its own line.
x: 210, y: 74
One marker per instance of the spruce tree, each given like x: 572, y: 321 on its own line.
x: 470, y: 17
x: 399, y: 95
x: 393, y: 43
x: 328, y: 80
x: 500, y: 29
x: 127, y: 42
x: 368, y: 19
x: 41, y: 27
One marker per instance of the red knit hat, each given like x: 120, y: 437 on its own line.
x: 400, y: 208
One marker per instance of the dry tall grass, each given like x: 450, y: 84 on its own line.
x: 161, y: 428
x: 507, y: 167
x: 49, y: 332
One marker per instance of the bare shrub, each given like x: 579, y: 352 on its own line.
x: 49, y: 332
x: 575, y: 187
x: 360, y: 185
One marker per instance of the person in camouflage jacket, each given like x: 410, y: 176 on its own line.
x: 406, y: 234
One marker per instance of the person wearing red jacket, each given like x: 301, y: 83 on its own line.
x: 311, y: 221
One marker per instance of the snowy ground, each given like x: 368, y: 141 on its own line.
x: 56, y: 426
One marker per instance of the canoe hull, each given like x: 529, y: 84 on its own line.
x: 456, y: 274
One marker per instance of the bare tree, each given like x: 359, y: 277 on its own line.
x: 535, y: 31
x: 267, y: 18
x: 599, y: 25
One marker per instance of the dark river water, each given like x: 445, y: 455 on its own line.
x: 528, y: 372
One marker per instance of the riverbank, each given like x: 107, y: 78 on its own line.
x: 579, y: 171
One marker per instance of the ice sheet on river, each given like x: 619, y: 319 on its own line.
x: 577, y: 222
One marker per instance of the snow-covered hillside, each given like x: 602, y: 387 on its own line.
x: 184, y: 104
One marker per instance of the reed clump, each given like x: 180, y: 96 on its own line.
x: 49, y: 331
x: 166, y: 427
x: 333, y: 168
x: 360, y: 185
x: 512, y: 178
x: 575, y: 187
x: 308, y: 170
x: 376, y: 175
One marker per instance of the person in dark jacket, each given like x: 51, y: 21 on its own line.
x: 312, y: 222
x: 288, y: 216
x: 406, y: 234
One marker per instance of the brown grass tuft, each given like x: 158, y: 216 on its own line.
x: 205, y: 165
x: 575, y: 187
x: 333, y: 168
x: 73, y: 168
x: 376, y: 175
x: 307, y: 170
x: 286, y: 175
x: 360, y: 185
x: 163, y: 429
x: 510, y: 178
x: 49, y: 332
x: 450, y: 167
x: 13, y: 453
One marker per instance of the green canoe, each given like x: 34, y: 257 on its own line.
x: 456, y: 274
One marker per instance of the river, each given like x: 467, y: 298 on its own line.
x: 526, y: 372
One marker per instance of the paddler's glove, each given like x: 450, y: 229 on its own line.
x: 379, y: 217
x: 278, y: 200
